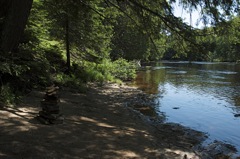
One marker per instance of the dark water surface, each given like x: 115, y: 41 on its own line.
x: 201, y: 95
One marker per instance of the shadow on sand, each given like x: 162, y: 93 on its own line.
x: 96, y: 125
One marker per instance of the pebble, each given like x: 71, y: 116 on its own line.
x: 236, y: 115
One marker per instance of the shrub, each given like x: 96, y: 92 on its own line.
x: 107, y: 70
x: 70, y: 81
x: 7, y: 95
x: 124, y: 70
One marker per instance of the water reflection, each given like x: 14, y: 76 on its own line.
x: 207, y: 96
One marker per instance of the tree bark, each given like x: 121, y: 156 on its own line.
x: 14, y: 23
x: 67, y: 43
x: 4, y: 5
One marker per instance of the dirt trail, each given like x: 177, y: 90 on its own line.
x: 97, y: 125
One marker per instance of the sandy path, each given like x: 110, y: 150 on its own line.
x: 96, y: 125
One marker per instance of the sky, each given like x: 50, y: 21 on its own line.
x: 180, y: 12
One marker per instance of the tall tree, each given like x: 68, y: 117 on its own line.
x: 15, y: 14
x: 87, y: 27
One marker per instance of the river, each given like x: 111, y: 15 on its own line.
x: 204, y: 96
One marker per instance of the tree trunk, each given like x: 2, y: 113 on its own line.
x: 15, y: 20
x: 4, y: 6
x: 67, y: 43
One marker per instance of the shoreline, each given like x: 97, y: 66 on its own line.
x: 97, y: 124
x: 144, y: 106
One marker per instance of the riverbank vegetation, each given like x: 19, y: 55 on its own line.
x: 74, y: 42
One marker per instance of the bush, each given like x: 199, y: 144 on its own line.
x: 107, y: 70
x: 7, y: 95
x: 70, y: 81
x: 124, y: 70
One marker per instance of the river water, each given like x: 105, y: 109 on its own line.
x: 201, y: 95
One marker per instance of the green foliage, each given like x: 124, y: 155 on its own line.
x: 106, y: 71
x: 220, y: 43
x: 227, y: 41
x: 28, y: 67
x: 70, y: 81
x: 104, y: 36
x: 124, y: 70
x: 88, y: 31
x: 7, y: 95
x: 11, y: 68
x: 128, y: 41
x: 20, y: 73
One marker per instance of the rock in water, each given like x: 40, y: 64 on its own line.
x: 218, y: 149
x: 236, y: 115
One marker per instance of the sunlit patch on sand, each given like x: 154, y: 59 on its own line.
x: 183, y: 154
x: 2, y: 155
x: 127, y: 154
x: 101, y: 124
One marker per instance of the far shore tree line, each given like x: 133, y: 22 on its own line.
x: 71, y: 42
